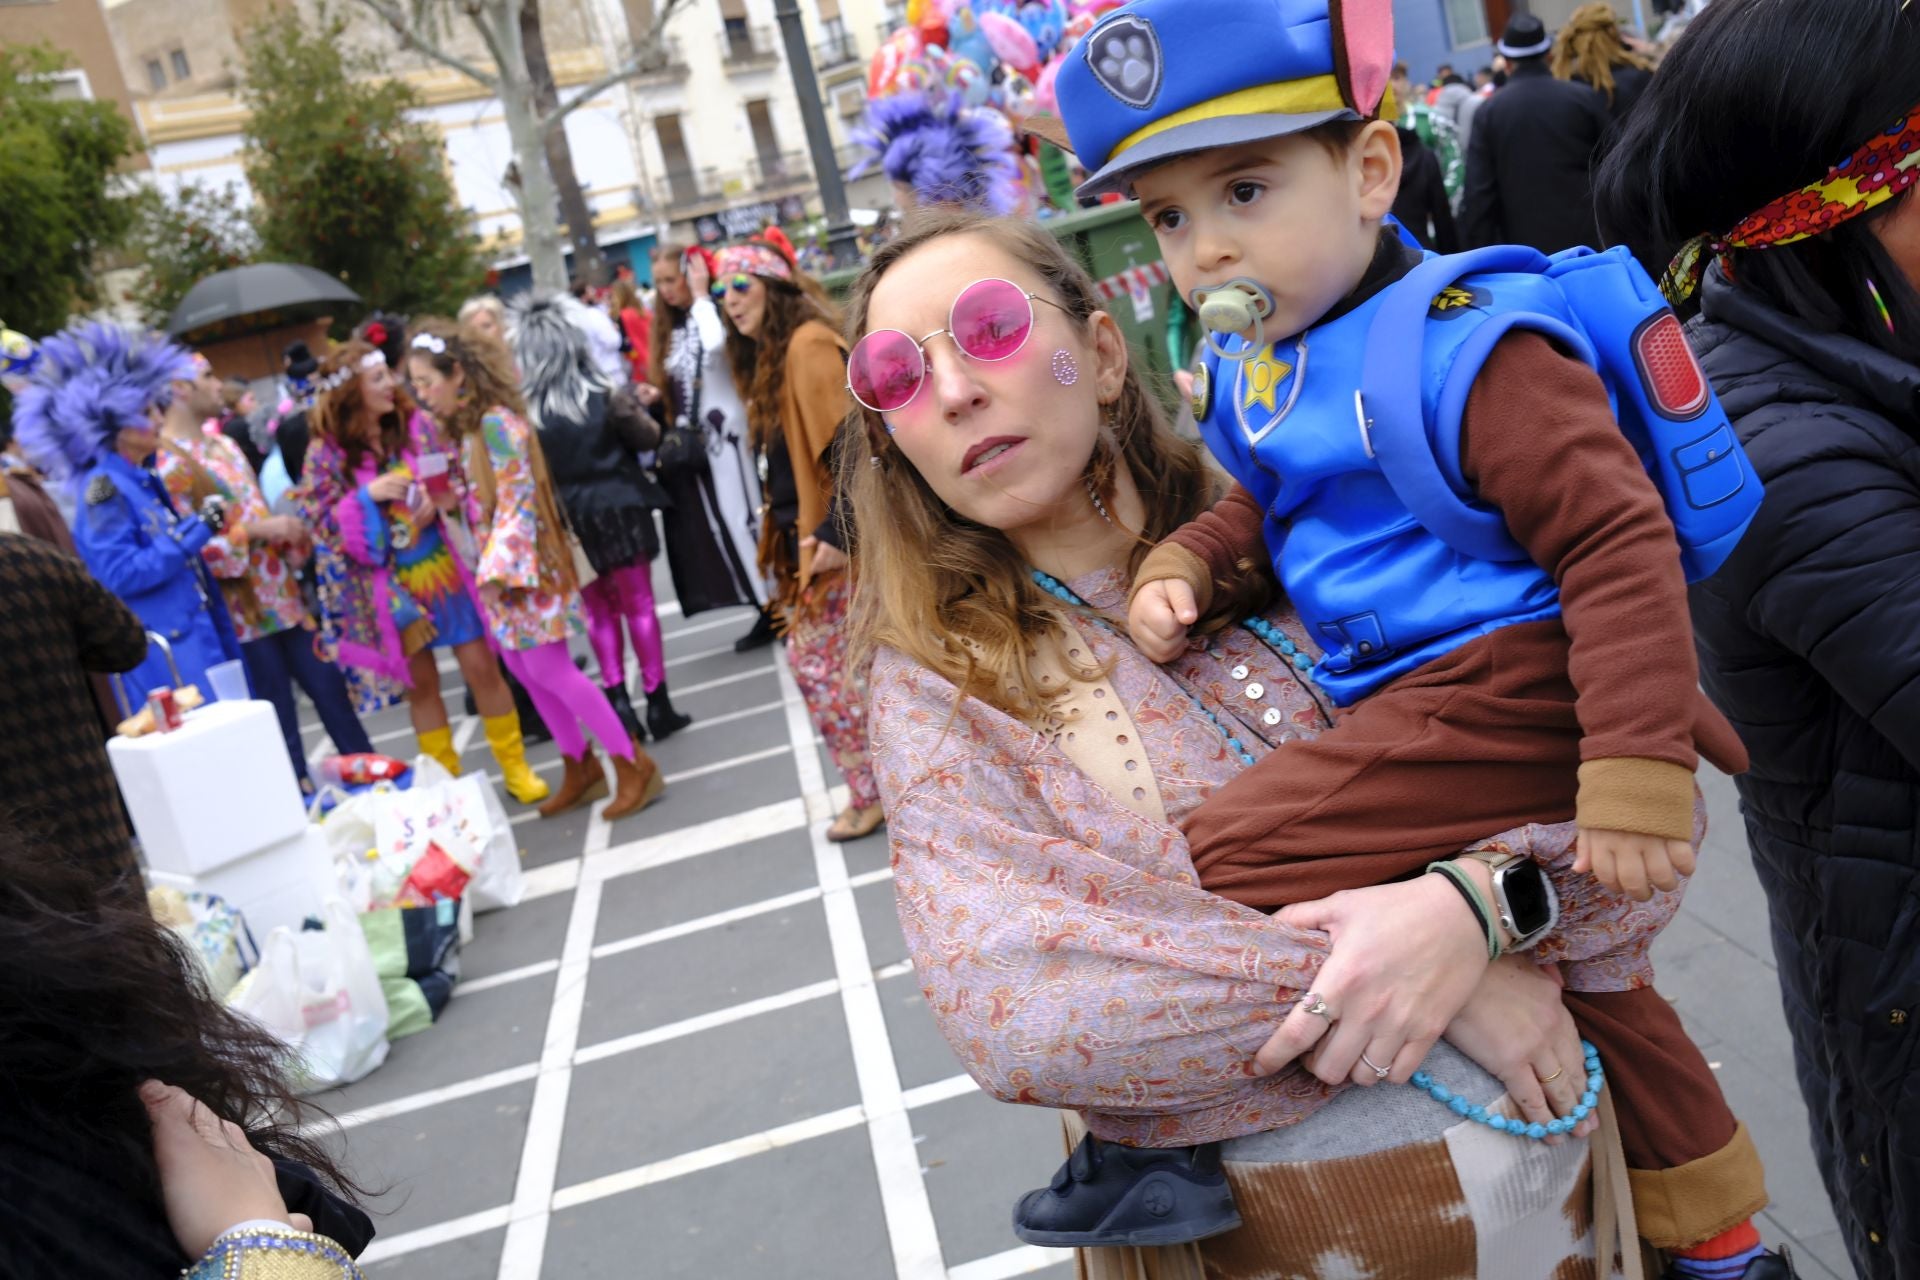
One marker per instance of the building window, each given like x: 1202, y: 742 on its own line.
x: 1466, y: 22
x: 156, y: 74
x: 181, y: 71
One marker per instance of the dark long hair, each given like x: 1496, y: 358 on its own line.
x: 1758, y: 98
x: 99, y: 997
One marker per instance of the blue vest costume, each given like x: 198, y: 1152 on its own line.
x: 130, y: 536
x: 1381, y: 592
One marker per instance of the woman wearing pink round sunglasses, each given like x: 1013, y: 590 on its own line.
x: 788, y: 361
x: 1036, y: 768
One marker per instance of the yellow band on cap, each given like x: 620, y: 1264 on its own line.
x: 1309, y: 96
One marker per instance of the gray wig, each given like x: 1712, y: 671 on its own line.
x: 557, y: 372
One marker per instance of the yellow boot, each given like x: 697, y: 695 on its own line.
x: 438, y: 743
x: 503, y: 735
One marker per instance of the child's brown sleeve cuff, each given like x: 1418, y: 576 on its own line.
x: 1171, y: 560
x: 1629, y: 793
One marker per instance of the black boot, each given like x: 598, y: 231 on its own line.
x: 661, y: 717
x: 623, y: 707
x: 1107, y: 1194
x: 761, y: 635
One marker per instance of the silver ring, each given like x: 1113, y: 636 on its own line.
x: 1379, y: 1072
x: 1318, y: 1007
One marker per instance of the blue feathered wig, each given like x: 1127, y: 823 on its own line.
x: 92, y: 381
x: 948, y: 152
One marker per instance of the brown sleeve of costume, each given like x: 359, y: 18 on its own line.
x: 1539, y: 441
x: 1209, y: 549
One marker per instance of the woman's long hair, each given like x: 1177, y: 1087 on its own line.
x: 557, y: 371
x: 759, y: 363
x: 667, y: 318
x: 957, y: 597
x: 1589, y: 47
x: 99, y: 997
x: 340, y: 415
x: 1756, y: 99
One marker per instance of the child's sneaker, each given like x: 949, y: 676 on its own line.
x: 1107, y: 1194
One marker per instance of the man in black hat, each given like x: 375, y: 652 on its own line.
x: 1530, y: 160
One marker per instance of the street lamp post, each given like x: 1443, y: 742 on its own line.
x: 842, y: 245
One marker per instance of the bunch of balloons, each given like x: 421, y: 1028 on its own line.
x: 999, y: 53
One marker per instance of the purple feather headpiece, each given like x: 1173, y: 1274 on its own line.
x: 92, y: 381
x: 948, y: 152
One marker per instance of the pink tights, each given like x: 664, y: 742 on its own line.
x: 625, y: 593
x: 566, y: 699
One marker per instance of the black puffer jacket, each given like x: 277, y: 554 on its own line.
x: 609, y: 497
x: 1809, y: 641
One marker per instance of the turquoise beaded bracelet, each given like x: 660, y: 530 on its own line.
x: 1596, y: 1081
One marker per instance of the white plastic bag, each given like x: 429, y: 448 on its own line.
x: 348, y: 832
x: 498, y: 882
x: 408, y: 824
x: 317, y: 992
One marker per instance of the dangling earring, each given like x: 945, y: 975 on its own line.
x: 1880, y: 304
x: 1098, y: 505
x: 1098, y: 470
x: 1066, y: 370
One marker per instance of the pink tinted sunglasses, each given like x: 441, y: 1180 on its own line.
x: 990, y: 321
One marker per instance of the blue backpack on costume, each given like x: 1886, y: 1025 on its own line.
x: 1615, y: 320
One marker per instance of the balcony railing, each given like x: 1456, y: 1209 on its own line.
x: 682, y: 189
x: 666, y: 60
x: 746, y: 47
x: 790, y: 167
x: 837, y: 50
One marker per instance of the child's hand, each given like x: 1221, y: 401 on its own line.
x: 1159, y: 617
x: 1633, y: 864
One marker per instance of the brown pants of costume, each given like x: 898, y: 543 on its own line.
x: 1482, y: 741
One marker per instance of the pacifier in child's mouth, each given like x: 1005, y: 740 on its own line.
x: 1237, y: 307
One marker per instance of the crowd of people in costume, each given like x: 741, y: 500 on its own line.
x: 1222, y: 791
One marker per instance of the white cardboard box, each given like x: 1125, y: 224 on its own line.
x: 280, y: 885
x: 213, y: 791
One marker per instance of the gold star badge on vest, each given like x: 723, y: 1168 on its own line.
x: 1265, y: 388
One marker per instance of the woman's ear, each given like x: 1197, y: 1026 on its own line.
x: 1376, y: 162
x: 1109, y: 355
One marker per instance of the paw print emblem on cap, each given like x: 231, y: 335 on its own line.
x: 1125, y: 57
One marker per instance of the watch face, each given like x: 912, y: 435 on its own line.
x: 1524, y: 886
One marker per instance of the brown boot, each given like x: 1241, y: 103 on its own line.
x: 637, y: 784
x: 585, y: 781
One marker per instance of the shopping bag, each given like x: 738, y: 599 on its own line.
x: 214, y: 931
x: 351, y: 843
x: 318, y: 993
x: 425, y: 848
x: 498, y: 880
x: 416, y: 951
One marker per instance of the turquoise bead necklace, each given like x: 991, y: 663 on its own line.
x: 1278, y: 640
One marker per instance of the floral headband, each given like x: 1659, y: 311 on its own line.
x: 1888, y: 164
x: 347, y: 373
x: 752, y: 259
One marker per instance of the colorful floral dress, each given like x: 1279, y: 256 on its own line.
x: 535, y: 607
x: 256, y: 577
x: 372, y: 589
x: 1062, y: 939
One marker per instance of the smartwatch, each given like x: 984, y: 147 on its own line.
x: 1523, y: 898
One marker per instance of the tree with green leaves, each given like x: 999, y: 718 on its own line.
x: 63, y: 200
x: 181, y: 239
x: 343, y: 180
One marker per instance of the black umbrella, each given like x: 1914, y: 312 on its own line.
x: 252, y: 290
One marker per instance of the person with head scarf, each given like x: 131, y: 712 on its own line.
x: 89, y: 418
x: 593, y: 434
x: 705, y: 461
x: 784, y: 345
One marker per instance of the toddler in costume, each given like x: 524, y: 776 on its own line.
x: 1478, y: 695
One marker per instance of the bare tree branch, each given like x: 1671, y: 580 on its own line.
x: 642, y: 61
x: 492, y: 37
x: 412, y: 36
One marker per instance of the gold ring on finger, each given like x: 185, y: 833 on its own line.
x: 1555, y: 1076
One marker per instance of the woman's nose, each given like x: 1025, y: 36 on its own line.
x: 956, y: 391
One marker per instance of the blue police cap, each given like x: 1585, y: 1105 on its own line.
x: 1164, y: 78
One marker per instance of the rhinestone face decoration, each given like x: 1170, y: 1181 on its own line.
x: 1066, y: 370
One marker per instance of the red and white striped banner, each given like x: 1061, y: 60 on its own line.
x: 1146, y: 277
